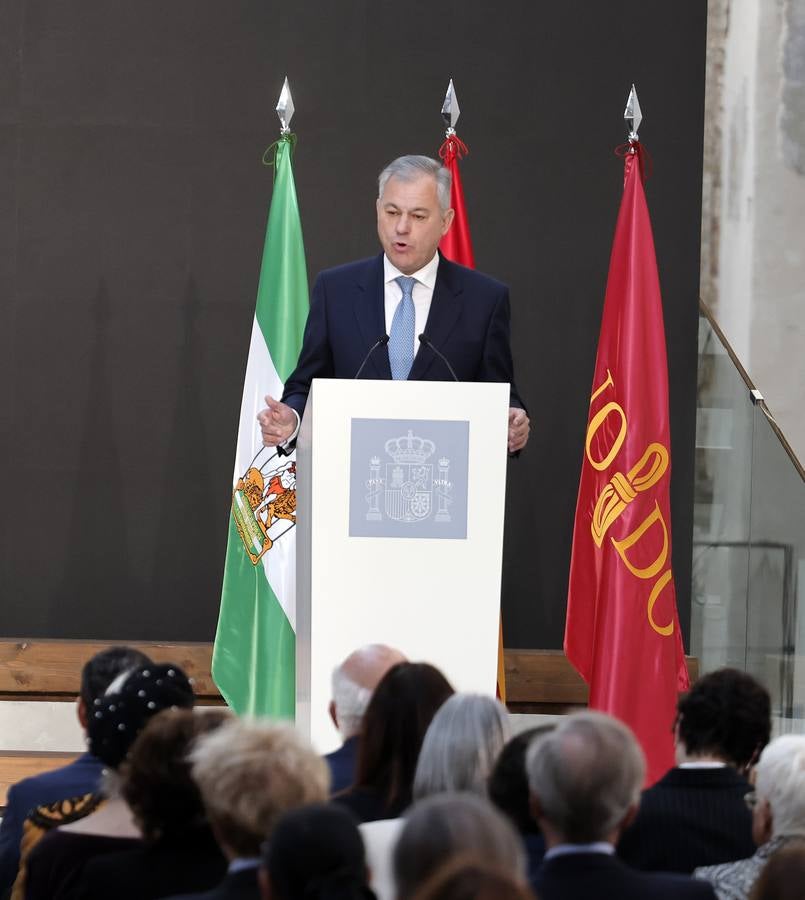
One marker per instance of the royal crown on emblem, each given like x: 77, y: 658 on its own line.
x: 409, y: 449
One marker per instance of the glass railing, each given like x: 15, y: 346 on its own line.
x: 748, y: 597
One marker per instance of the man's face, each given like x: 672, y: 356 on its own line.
x: 410, y: 223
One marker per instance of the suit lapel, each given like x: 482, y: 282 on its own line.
x: 445, y: 308
x: 370, y: 313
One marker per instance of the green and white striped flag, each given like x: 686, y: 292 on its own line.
x: 254, y: 657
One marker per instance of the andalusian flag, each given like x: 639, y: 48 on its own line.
x: 254, y: 657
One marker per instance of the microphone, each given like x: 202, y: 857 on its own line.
x: 426, y: 341
x: 381, y: 341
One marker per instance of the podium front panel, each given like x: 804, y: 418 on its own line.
x: 401, y: 492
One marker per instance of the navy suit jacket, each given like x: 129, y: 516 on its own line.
x: 468, y: 322
x: 73, y: 780
x: 342, y: 764
x: 582, y: 876
x: 690, y: 818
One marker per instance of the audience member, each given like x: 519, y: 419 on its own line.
x: 80, y: 777
x: 315, y: 852
x: 461, y: 746
x: 465, y: 877
x: 353, y: 683
x: 180, y: 852
x: 585, y: 779
x: 695, y: 815
x: 249, y: 774
x: 402, y: 706
x: 53, y: 867
x: 778, y: 816
x: 783, y: 876
x: 446, y: 825
x: 508, y: 790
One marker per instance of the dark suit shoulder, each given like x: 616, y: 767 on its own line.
x: 584, y: 875
x: 354, y: 271
x: 78, y: 777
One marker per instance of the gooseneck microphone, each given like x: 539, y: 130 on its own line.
x: 380, y: 342
x: 426, y: 342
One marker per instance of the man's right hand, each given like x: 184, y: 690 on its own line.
x: 277, y: 422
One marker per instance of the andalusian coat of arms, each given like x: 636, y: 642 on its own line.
x: 264, y: 506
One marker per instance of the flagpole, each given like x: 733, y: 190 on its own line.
x: 254, y: 653
x: 285, y: 108
x: 456, y: 245
x: 633, y: 116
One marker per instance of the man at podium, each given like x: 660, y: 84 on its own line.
x: 408, y: 313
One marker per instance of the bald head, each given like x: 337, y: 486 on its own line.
x: 355, y: 680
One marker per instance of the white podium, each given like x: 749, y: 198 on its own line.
x: 400, y: 496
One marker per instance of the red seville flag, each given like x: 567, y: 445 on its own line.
x: 456, y: 244
x: 622, y: 629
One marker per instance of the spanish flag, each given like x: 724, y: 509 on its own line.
x: 622, y: 628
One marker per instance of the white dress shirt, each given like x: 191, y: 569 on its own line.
x: 422, y: 294
x: 570, y: 849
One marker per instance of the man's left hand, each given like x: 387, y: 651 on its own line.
x: 519, y: 426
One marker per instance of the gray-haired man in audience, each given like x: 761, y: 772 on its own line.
x: 353, y: 684
x: 585, y: 779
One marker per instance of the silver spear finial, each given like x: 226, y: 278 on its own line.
x: 632, y: 114
x: 285, y: 108
x: 450, y: 109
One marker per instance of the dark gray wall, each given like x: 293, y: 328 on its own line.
x: 132, y: 213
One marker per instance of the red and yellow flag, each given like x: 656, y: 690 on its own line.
x: 622, y: 629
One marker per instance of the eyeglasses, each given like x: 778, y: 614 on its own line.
x: 751, y: 800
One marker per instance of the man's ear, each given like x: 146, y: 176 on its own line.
x: 333, y: 714
x: 447, y: 221
x: 535, y: 807
x: 82, y: 712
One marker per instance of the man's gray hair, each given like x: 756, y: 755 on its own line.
x: 585, y: 775
x: 351, y: 700
x: 780, y: 779
x: 461, y: 745
x: 409, y: 168
x: 440, y: 827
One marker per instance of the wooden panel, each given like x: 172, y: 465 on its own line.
x: 52, y: 669
x: 18, y: 764
x: 544, y: 681
x: 536, y: 680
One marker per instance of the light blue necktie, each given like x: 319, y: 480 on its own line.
x: 401, y: 337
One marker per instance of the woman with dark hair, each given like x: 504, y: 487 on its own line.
x: 394, y: 725
x: 508, y: 791
x: 315, y: 852
x: 180, y: 853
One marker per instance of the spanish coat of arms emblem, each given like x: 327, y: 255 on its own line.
x: 408, y: 485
